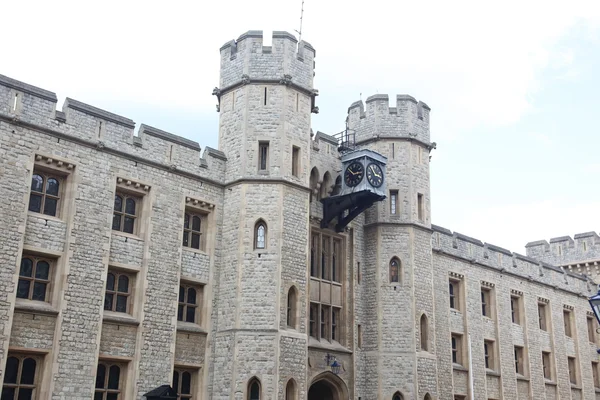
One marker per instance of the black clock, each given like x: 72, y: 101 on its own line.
x: 354, y: 174
x: 374, y: 175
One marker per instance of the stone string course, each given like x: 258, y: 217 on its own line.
x: 266, y: 95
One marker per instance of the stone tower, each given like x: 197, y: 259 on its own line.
x: 397, y: 252
x: 265, y: 100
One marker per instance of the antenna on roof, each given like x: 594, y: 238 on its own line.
x: 301, y: 15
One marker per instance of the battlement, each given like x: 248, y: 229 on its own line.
x: 246, y: 60
x: 583, y: 248
x: 35, y: 108
x: 409, y: 118
x: 488, y: 255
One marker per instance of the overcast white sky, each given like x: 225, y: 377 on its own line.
x: 513, y: 86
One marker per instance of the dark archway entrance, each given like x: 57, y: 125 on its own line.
x: 327, y: 386
x: 322, y: 390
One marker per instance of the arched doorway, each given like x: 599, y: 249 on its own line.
x: 328, y: 386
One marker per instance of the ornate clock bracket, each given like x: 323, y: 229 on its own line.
x: 353, y: 203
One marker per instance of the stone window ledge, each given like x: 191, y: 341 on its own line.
x: 491, y: 372
x: 550, y: 383
x: 325, y: 345
x: 575, y: 387
x: 35, y: 307
x: 127, y: 235
x: 195, y: 251
x: 597, y: 390
x: 190, y: 327
x: 119, y: 318
x: 522, y: 378
x: 458, y: 367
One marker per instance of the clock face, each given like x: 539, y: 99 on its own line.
x: 354, y: 174
x: 374, y: 175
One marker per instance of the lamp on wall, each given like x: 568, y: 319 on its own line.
x: 332, y: 363
x: 595, y: 304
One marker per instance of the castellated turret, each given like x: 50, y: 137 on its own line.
x: 400, y: 133
x: 265, y: 99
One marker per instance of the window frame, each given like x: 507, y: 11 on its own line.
x: 251, y: 382
x: 292, y: 308
x: 178, y: 388
x: 596, y: 374
x: 185, y: 305
x: 138, y: 200
x: 543, y: 316
x: 573, y: 372
x: 455, y: 294
x: 398, y: 267
x: 35, y: 259
x: 456, y: 346
x: 115, y: 292
x: 486, y: 302
x: 424, y: 332
x: 547, y: 370
x: 47, y: 174
x: 37, y: 374
x: 519, y: 359
x: 394, y: 206
x: 189, y: 231
x: 105, y: 390
x: 295, y: 161
x: 263, y: 156
x: 257, y: 244
x: 591, y: 329
x: 489, y: 351
x: 420, y: 207
x: 515, y: 309
x: 568, y: 322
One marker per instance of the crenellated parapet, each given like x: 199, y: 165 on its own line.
x: 505, y: 261
x: 408, y: 119
x: 580, y: 253
x: 286, y: 61
x: 30, y: 107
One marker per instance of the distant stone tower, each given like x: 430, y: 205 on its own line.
x: 265, y: 100
x: 397, y: 253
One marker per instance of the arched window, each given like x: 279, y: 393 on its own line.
x: 260, y: 235
x: 427, y: 397
x: 397, y: 396
x: 291, y: 307
x: 395, y: 270
x: 108, y: 382
x: 34, y: 279
x: 326, y: 185
x: 124, y: 213
x: 254, y: 389
x: 424, y: 330
x: 290, y: 390
x: 20, y: 378
x: 337, y: 188
x: 45, y: 194
x: 314, y: 181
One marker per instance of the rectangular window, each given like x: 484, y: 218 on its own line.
x: 519, y: 362
x: 591, y: 328
x: 295, y: 160
x: 420, y: 210
x: 335, y: 320
x: 394, y: 202
x: 515, y: 309
x: 314, y: 314
x: 546, y: 365
x: 359, y: 334
x: 325, y: 258
x: 189, y: 303
x: 454, y: 292
x: 572, y: 370
x: 194, y: 225
x: 21, y: 376
x: 456, y: 349
x: 34, y: 278
x: 46, y: 192
x: 118, y: 292
x: 488, y: 350
x: 314, y: 255
x: 263, y: 155
x: 109, y: 380
x: 485, y: 303
x: 125, y: 213
x: 325, y: 322
x: 184, y: 382
x: 542, y: 316
x: 358, y: 277
x: 595, y: 374
x: 567, y: 322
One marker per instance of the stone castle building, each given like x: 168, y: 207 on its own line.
x: 134, y: 260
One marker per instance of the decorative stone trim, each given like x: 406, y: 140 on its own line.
x: 455, y: 275
x: 589, y: 313
x: 568, y: 307
x: 543, y: 300
x: 190, y: 201
x: 516, y: 292
x: 488, y: 284
x: 52, y: 163
x: 131, y: 185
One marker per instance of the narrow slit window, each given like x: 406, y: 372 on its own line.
x: 15, y: 101
x: 393, y: 202
x: 99, y: 129
x: 265, y: 98
x: 263, y: 156
x: 420, y: 210
x: 295, y: 160
x: 297, y: 101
